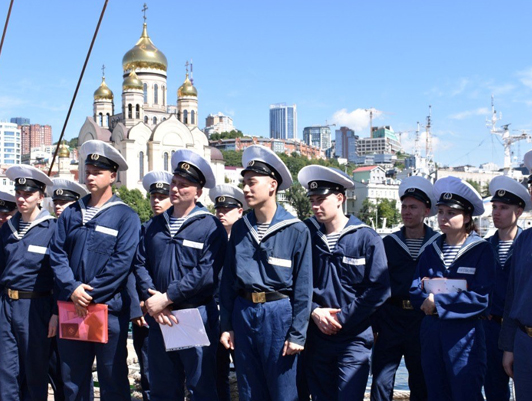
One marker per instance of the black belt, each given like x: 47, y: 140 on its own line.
x: 190, y: 305
x: 16, y: 294
x: 261, y: 297
x: 525, y: 329
x: 400, y: 302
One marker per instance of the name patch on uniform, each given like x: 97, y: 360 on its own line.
x: 354, y: 261
x: 106, y: 230
x: 192, y: 244
x: 280, y: 262
x: 466, y: 270
x: 38, y: 249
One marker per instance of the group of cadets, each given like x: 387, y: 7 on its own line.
x: 304, y: 309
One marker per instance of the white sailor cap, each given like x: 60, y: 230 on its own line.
x: 102, y: 155
x: 528, y: 163
x: 157, y: 182
x: 262, y: 160
x: 321, y: 180
x: 67, y: 190
x: 226, y: 195
x: 8, y: 203
x: 507, y: 190
x: 193, y: 167
x: 421, y: 189
x: 28, y: 178
x: 453, y: 192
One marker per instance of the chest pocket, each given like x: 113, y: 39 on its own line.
x: 103, y: 240
x: 352, y: 268
x: 189, y: 252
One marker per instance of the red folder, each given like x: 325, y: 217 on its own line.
x: 93, y: 327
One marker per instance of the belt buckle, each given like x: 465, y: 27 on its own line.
x: 407, y: 304
x: 258, y: 297
x: 13, y: 294
x: 528, y: 331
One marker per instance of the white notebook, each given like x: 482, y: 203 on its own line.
x: 188, y: 333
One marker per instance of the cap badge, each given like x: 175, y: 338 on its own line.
x: 221, y: 199
x: 185, y: 166
x: 447, y: 196
x: 501, y: 192
x: 59, y: 192
x: 95, y: 156
x: 159, y: 185
x: 313, y: 185
x: 251, y: 163
x: 411, y: 190
x: 22, y: 181
x: 2, y: 203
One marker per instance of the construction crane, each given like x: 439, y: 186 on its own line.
x: 371, y: 111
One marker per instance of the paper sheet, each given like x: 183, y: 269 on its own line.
x: 444, y: 285
x: 188, y: 333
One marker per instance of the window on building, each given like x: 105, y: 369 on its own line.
x: 154, y: 120
x: 137, y: 111
x: 179, y: 115
x: 192, y: 117
x: 185, y: 117
x: 156, y: 94
x: 107, y: 119
x: 141, y: 165
x: 145, y: 93
x: 145, y: 119
x: 165, y: 158
x: 100, y: 119
x: 163, y: 94
x: 129, y: 111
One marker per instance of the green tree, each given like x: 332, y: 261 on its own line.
x: 232, y: 158
x: 296, y: 196
x: 387, y: 209
x: 134, y: 199
x: 475, y: 185
x: 227, y: 135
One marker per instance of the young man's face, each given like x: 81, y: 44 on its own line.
x: 326, y: 207
x: 413, y: 212
x: 504, y: 215
x: 258, y: 188
x: 159, y: 203
x: 228, y: 215
x: 27, y: 201
x: 183, y: 191
x: 98, y: 179
x: 60, y: 206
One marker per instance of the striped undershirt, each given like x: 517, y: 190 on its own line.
x: 414, y: 245
x: 175, y: 224
x: 332, y: 240
x: 504, y: 248
x: 23, y: 228
x: 449, y: 253
x: 90, y: 212
x: 261, y: 229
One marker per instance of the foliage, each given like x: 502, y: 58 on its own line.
x: 475, y: 185
x: 226, y: 135
x: 297, y: 197
x: 374, y: 213
x: 232, y: 158
x: 134, y: 199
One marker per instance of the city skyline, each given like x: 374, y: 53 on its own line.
x: 452, y: 56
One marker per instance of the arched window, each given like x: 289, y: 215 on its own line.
x: 179, y: 115
x: 100, y: 119
x: 173, y: 151
x: 107, y: 119
x: 192, y: 117
x: 163, y: 93
x: 185, y: 117
x: 129, y: 111
x: 145, y: 93
x: 137, y: 111
x: 141, y: 165
x: 165, y: 157
x: 154, y: 120
x: 145, y: 119
x: 156, y: 94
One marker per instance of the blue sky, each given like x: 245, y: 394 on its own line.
x: 332, y: 59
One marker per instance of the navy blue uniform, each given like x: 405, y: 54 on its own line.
x: 496, y: 383
x: 398, y: 324
x: 280, y: 262
x: 186, y: 267
x: 24, y: 342
x: 453, y: 348
x: 354, y: 279
x: 518, y: 314
x: 98, y: 253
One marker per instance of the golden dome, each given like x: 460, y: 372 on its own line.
x: 187, y: 89
x: 64, y: 151
x: 144, y: 55
x: 103, y: 92
x: 132, y: 82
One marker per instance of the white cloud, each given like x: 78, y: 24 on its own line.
x: 408, y: 142
x: 8, y: 103
x: 357, y: 119
x: 526, y: 77
x: 460, y: 87
x: 481, y: 111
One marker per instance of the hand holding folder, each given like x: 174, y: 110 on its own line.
x: 93, y: 327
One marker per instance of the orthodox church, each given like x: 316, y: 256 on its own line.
x: 148, y: 130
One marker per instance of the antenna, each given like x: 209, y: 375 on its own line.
x: 416, y: 142
x: 428, y: 139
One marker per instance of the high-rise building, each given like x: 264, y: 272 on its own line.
x: 9, y: 143
x: 346, y: 143
x: 35, y: 135
x: 218, y: 123
x: 318, y: 136
x: 383, y: 140
x: 283, y: 121
x: 20, y: 120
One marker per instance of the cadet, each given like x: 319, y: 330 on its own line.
x: 157, y: 184
x: 65, y: 193
x: 229, y: 204
x: 350, y: 281
x: 176, y: 265
x: 509, y: 200
x: 516, y: 331
x: 8, y: 206
x: 26, y: 283
x: 453, y: 348
x: 266, y: 284
x: 91, y: 255
x: 396, y: 322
